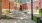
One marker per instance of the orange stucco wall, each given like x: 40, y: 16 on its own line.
x: 5, y: 4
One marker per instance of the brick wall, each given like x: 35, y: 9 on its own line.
x: 5, y: 4
x: 28, y: 5
x: 24, y: 6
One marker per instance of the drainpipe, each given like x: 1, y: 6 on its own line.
x: 9, y: 7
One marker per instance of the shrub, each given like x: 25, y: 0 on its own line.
x: 7, y: 17
x: 40, y: 12
x: 7, y: 11
x: 25, y: 12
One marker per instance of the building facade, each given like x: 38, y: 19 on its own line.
x: 15, y: 5
x: 28, y: 4
x: 6, y: 5
x: 40, y: 3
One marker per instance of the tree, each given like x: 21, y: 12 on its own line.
x: 0, y: 9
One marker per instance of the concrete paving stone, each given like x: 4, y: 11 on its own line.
x: 16, y: 21
x: 19, y: 18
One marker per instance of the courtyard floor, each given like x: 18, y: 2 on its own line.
x: 19, y: 18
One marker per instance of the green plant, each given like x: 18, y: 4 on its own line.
x: 25, y: 12
x: 7, y: 11
x: 7, y: 17
x: 35, y: 18
x: 40, y: 12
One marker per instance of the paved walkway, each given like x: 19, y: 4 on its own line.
x: 19, y: 17
x: 16, y: 21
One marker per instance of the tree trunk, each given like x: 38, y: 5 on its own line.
x: 0, y: 8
